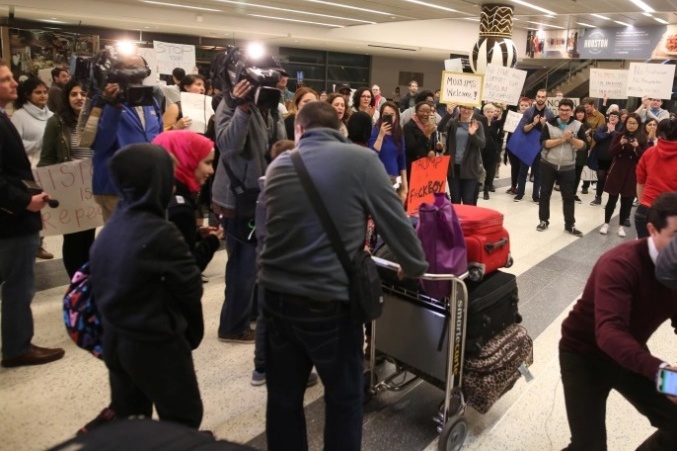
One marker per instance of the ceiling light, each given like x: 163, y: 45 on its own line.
x: 659, y: 20
x: 643, y: 6
x: 52, y: 21
x: 600, y: 17
x: 295, y: 20
x: 647, y: 14
x: 252, y: 5
x: 622, y: 23
x: 546, y: 25
x: 585, y: 24
x: 474, y: 19
x: 430, y: 5
x: 537, y: 8
x: 338, y: 5
x: 197, y: 8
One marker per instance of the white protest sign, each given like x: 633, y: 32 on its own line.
x: 553, y: 103
x: 197, y: 107
x: 612, y: 82
x: 150, y: 56
x: 453, y: 65
x: 651, y: 80
x: 503, y: 84
x: 463, y: 88
x: 71, y: 184
x: 511, y: 121
x: 170, y: 56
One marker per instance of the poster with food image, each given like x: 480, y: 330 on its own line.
x: 667, y: 46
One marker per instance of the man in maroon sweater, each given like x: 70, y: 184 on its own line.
x: 603, y: 344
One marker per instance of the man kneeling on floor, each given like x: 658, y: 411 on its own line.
x: 603, y: 344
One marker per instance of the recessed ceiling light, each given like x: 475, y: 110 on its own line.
x: 537, y: 8
x: 546, y: 25
x: 622, y: 23
x: 659, y: 20
x: 174, y: 5
x: 295, y: 20
x: 643, y: 6
x: 431, y: 5
x: 582, y: 24
x: 600, y: 17
x: 339, y: 5
x: 294, y: 11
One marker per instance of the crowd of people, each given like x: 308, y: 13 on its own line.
x: 149, y: 177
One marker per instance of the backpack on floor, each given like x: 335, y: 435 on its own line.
x: 80, y: 314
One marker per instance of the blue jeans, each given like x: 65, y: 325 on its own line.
x: 17, y: 276
x: 462, y: 190
x: 260, y: 339
x: 522, y: 179
x: 240, y: 277
x: 303, y: 333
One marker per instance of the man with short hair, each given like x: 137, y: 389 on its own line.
x: 593, y: 118
x: 560, y: 139
x: 20, y: 224
x: 287, y: 96
x: 409, y: 99
x: 650, y: 108
x: 604, y: 338
x: 533, y: 121
x: 60, y: 76
x: 345, y: 91
x: 307, y: 299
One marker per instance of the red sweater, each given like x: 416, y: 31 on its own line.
x: 621, y: 307
x: 656, y: 171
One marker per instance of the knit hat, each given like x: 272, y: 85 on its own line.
x: 189, y: 148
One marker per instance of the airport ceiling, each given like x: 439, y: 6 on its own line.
x: 337, y: 25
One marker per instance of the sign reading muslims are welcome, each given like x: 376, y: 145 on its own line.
x: 461, y: 88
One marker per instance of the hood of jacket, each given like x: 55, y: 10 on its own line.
x: 143, y: 175
x: 666, y: 149
x: 40, y: 114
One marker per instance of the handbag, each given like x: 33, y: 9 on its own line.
x: 366, y: 293
x: 441, y: 235
x: 80, y: 314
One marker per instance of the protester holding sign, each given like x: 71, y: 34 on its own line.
x: 524, y: 104
x: 173, y: 118
x: 60, y: 144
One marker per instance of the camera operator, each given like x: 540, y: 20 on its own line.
x: 120, y: 125
x: 244, y: 134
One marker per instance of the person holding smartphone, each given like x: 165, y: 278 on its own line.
x: 387, y: 140
x: 604, y: 338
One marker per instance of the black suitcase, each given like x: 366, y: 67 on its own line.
x: 492, y: 306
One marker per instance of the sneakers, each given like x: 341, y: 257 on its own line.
x: 247, y: 336
x: 486, y: 196
x: 635, y: 203
x: 259, y: 378
x: 621, y: 232
x: 106, y: 416
x: 511, y: 191
x: 584, y: 191
x: 556, y: 188
x: 542, y: 226
x: 626, y: 223
x: 596, y: 201
x: 518, y: 198
x: 574, y: 231
x: 604, y: 229
x: 578, y: 200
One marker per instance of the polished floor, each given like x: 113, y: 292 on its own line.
x: 42, y: 406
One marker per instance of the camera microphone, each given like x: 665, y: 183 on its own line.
x: 53, y: 203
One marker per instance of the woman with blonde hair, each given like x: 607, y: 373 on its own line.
x: 301, y: 97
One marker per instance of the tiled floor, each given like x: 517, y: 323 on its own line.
x: 42, y: 406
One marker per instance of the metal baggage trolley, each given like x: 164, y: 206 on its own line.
x: 424, y: 337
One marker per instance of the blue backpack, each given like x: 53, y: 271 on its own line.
x: 80, y: 314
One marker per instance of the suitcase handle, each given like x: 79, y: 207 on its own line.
x: 490, y: 247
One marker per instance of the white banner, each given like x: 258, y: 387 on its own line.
x: 612, y: 82
x: 553, y: 103
x: 461, y: 88
x: 503, y: 84
x: 171, y: 55
x: 149, y: 55
x: 511, y: 120
x: 651, y: 80
x: 197, y: 107
x: 71, y: 184
x: 453, y: 65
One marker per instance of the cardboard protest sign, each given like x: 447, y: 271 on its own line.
x: 612, y: 82
x: 170, y: 55
x: 428, y: 176
x: 511, y: 121
x: 651, y: 80
x: 462, y: 88
x: 503, y: 84
x: 197, y: 107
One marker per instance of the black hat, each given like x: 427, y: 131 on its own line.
x: 341, y: 87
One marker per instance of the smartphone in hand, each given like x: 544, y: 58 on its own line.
x: 666, y: 381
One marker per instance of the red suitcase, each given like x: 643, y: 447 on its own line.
x: 487, y: 240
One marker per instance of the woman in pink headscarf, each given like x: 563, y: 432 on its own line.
x: 194, y: 155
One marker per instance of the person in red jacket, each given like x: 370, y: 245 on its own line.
x: 603, y: 345
x: 656, y: 172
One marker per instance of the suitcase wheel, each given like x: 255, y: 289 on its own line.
x: 453, y: 434
x: 475, y: 274
x: 510, y: 261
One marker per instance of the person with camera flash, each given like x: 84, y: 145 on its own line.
x: 121, y: 124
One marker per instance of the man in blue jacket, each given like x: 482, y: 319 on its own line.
x: 119, y: 126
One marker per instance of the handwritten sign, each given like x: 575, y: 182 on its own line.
x: 553, y: 103
x: 428, y: 176
x: 170, y: 56
x: 503, y: 84
x: 612, y: 82
x: 511, y: 121
x: 651, y: 80
x: 197, y: 107
x: 71, y: 184
x: 462, y: 88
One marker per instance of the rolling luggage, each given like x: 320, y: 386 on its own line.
x: 492, y: 307
x: 486, y: 239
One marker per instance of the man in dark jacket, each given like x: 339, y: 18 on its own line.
x: 306, y: 288
x: 19, y: 241
x: 148, y: 289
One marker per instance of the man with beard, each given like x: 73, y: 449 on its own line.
x: 60, y: 76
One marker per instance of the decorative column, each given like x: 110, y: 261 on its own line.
x: 494, y: 45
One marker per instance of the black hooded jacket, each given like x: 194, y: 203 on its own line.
x: 145, y: 280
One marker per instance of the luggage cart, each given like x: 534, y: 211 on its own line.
x: 424, y: 338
